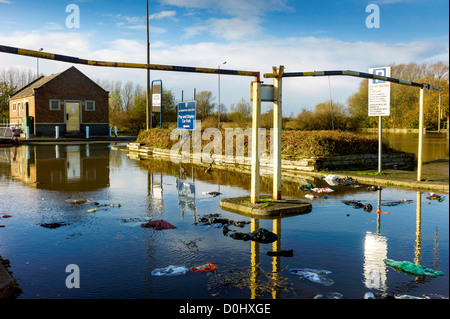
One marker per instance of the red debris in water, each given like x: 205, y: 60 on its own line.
x: 158, y: 225
x: 6, y: 216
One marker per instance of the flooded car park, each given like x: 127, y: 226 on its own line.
x: 85, y: 204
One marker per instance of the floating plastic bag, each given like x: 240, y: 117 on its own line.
x: 170, y: 271
x: 306, y: 187
x: 322, y: 190
x: 204, y: 268
x: 314, y: 275
x: 331, y: 179
x: 411, y: 268
x: 158, y: 225
x: 263, y: 236
x: 311, y: 196
x: 437, y: 197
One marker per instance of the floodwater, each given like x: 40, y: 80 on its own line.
x: 435, y: 148
x: 115, y: 256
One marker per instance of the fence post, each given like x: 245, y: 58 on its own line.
x: 57, y: 131
x: 87, y: 132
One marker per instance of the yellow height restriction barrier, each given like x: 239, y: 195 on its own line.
x: 256, y: 85
x: 160, y: 67
x: 422, y: 86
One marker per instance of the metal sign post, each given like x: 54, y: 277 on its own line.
x: 379, y: 104
x: 156, y: 102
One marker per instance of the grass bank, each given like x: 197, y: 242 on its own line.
x: 294, y: 143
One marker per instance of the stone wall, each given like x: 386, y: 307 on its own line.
x: 405, y: 161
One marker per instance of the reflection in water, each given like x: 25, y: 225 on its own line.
x: 375, y: 252
x: 330, y: 236
x: 418, y: 250
x: 61, y: 167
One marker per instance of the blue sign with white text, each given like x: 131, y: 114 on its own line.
x: 186, y: 115
x: 381, y: 72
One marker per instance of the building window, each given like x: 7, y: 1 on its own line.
x: 14, y: 106
x: 54, y: 105
x: 90, y: 106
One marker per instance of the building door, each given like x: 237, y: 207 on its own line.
x: 72, y: 116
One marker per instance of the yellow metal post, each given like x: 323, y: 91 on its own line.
x: 254, y: 247
x: 277, y: 116
x: 420, y: 151
x: 256, y: 120
x: 276, y: 246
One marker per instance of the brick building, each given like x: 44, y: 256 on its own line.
x: 69, y: 100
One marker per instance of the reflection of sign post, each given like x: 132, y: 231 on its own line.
x: 379, y: 103
x: 186, y: 115
x: 379, y: 93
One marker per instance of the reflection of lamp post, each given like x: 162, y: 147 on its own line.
x: 37, y: 63
x: 219, y: 94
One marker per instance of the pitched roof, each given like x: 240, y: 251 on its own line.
x: 28, y: 89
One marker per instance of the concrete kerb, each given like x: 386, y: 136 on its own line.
x: 7, y: 288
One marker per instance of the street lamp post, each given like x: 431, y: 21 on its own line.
x: 218, y: 108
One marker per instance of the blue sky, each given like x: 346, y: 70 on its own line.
x: 248, y: 34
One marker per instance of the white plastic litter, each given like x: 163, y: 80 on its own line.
x: 170, y: 271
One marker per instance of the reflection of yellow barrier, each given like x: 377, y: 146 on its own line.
x: 69, y: 59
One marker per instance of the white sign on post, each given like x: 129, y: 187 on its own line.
x: 379, y: 93
x: 156, y: 100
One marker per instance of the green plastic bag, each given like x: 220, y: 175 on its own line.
x: 411, y: 268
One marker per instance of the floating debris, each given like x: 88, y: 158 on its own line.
x: 213, y: 194
x: 413, y: 269
x: 322, y: 190
x: 158, y: 225
x: 208, y: 267
x: 306, y: 187
x: 53, y: 225
x: 395, y: 203
x: 314, y: 275
x: 170, y: 271
x: 217, y: 219
x: 437, y: 197
x: 282, y: 253
x: 330, y: 295
x: 6, y: 216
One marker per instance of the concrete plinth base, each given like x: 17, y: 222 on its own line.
x: 266, y: 207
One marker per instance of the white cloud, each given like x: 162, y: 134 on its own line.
x: 135, y: 23
x: 163, y: 14
x: 232, y: 7
x: 53, y: 26
x: 229, y: 29
x: 296, y: 54
x: 5, y: 2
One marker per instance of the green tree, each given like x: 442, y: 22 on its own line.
x: 205, y: 106
x: 405, y: 99
x: 240, y: 113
